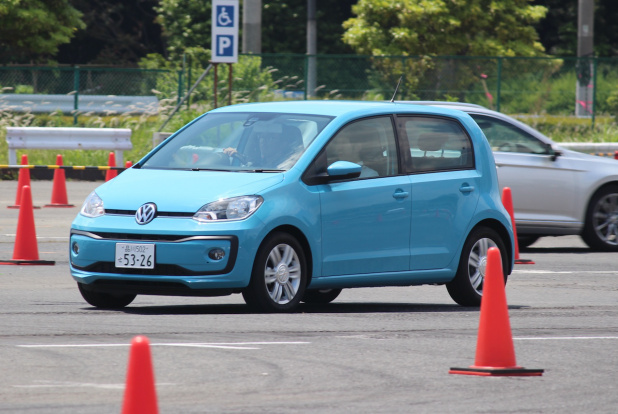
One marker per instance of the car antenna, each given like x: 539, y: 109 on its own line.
x: 396, y: 88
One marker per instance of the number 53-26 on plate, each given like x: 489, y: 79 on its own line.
x: 135, y: 256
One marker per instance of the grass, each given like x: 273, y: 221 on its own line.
x: 559, y: 128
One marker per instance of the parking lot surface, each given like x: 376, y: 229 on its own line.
x: 385, y: 350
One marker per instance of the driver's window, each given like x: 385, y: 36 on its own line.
x: 370, y: 143
x: 505, y: 137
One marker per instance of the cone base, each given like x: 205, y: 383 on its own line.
x: 17, y: 207
x: 498, y: 372
x: 18, y: 262
x: 59, y: 205
x: 524, y: 261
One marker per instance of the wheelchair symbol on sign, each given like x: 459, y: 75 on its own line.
x: 224, y: 19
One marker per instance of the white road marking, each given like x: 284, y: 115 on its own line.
x: 553, y: 272
x: 219, y: 345
x: 564, y: 338
x: 68, y: 384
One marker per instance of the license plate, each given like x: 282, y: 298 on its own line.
x: 135, y: 256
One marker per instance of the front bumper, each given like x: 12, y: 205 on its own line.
x: 181, y: 261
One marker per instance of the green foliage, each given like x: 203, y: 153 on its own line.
x: 572, y: 129
x: 250, y: 81
x: 186, y: 25
x: 33, y: 29
x: 445, y: 27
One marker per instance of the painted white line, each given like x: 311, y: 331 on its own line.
x: 67, y: 384
x: 565, y: 338
x: 219, y: 345
x: 552, y: 272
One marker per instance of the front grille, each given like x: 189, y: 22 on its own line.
x: 118, y: 212
x: 159, y: 270
x: 152, y: 288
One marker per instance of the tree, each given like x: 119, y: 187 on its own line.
x: 118, y: 32
x: 445, y: 27
x: 32, y: 30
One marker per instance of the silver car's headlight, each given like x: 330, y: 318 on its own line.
x: 93, y: 206
x: 236, y: 208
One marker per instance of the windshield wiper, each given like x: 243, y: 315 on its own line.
x: 207, y: 169
x: 265, y: 171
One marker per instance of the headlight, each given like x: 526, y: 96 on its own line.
x: 93, y: 206
x: 236, y: 208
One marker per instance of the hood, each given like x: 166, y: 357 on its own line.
x: 180, y: 191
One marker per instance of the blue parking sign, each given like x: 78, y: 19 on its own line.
x: 224, y: 44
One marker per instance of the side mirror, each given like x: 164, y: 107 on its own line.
x: 343, y: 170
x: 553, y: 153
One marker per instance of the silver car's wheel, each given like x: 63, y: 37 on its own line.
x: 467, y: 286
x: 601, y: 228
x: 279, y: 275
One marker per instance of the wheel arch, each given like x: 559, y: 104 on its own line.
x: 594, y: 193
x: 504, y: 234
x: 302, y: 239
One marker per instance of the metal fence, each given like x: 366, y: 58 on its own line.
x: 559, y: 86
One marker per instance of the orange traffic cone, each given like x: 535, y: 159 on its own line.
x: 59, y: 191
x: 22, y: 179
x: 111, y: 162
x: 495, y: 354
x: 507, y: 201
x: 128, y: 164
x: 140, y: 395
x: 26, y: 251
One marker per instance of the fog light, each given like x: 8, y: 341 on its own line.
x: 216, y: 254
x: 75, y: 248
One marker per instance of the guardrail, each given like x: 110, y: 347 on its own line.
x: 116, y: 139
x: 99, y: 104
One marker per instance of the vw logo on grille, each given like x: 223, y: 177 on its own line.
x: 146, y: 213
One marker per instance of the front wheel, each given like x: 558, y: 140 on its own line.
x: 279, y: 275
x: 467, y: 287
x: 104, y: 300
x: 601, y: 227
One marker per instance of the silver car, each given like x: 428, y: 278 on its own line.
x: 555, y: 191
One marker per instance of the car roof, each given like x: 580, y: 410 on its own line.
x: 337, y: 108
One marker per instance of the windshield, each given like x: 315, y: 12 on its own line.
x: 240, y: 142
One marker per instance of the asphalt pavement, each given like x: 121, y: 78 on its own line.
x: 377, y: 350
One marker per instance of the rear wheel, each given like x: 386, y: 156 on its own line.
x: 320, y: 295
x: 467, y: 287
x: 601, y: 227
x: 279, y: 275
x: 104, y: 300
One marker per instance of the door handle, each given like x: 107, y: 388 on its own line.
x: 466, y: 188
x: 400, y: 194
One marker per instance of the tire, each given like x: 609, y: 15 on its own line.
x: 320, y: 295
x: 279, y: 275
x: 104, y: 300
x: 526, y: 241
x: 467, y: 287
x: 601, y: 225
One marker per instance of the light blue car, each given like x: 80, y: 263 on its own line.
x: 293, y: 201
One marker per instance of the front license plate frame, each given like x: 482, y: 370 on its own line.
x: 135, y: 256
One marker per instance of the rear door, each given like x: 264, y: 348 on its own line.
x: 445, y: 188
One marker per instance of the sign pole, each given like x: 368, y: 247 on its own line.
x: 224, y: 43
x: 216, y: 65
x: 229, y: 84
